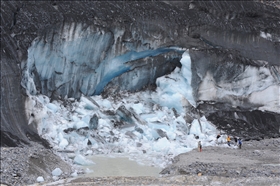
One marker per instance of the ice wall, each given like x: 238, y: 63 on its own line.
x: 239, y: 82
x: 76, y: 59
x: 254, y: 88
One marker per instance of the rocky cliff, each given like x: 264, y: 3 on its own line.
x: 65, y: 49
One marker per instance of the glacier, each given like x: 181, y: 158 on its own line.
x: 104, y: 117
x: 74, y: 60
x: 154, y: 126
x: 83, y: 60
x: 161, y: 123
x: 146, y: 80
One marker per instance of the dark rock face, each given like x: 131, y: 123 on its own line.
x: 35, y: 34
x: 247, y: 124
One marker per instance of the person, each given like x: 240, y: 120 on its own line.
x: 235, y: 140
x: 218, y: 136
x: 199, y: 146
x: 239, y: 143
x: 228, y: 141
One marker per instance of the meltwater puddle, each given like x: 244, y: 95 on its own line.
x: 118, y: 166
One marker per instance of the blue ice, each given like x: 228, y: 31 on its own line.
x: 118, y: 66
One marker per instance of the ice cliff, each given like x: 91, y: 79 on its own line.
x: 69, y: 49
x: 80, y: 59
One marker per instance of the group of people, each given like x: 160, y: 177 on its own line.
x: 238, y: 141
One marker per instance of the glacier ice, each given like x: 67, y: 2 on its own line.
x: 57, y: 172
x: 76, y: 59
x: 147, y: 124
x: 81, y: 160
x: 74, y: 174
x: 40, y: 179
x: 52, y: 107
x: 249, y: 86
x: 140, y: 125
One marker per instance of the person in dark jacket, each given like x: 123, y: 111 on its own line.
x: 235, y: 140
x: 239, y: 143
x: 199, y: 146
x: 218, y: 136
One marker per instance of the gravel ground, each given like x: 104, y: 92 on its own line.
x: 257, y: 163
x: 255, y: 159
x: 22, y: 165
x: 179, y: 180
